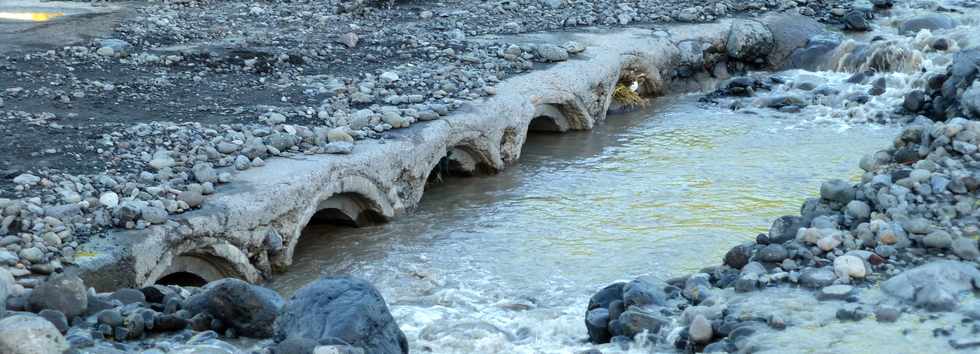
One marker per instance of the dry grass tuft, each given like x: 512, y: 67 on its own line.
x: 626, y: 96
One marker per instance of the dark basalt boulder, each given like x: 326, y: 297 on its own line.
x: 341, y: 310
x: 248, y: 309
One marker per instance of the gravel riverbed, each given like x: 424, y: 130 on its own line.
x: 145, y: 121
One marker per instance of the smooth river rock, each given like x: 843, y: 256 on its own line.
x: 30, y: 334
x: 341, y: 310
x: 65, y: 293
x: 934, y: 286
x: 251, y: 310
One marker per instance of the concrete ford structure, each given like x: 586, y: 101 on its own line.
x: 251, y: 226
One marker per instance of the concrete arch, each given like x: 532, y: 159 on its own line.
x: 560, y: 117
x: 215, y: 260
x: 466, y: 160
x: 190, y: 268
x: 358, y: 203
x: 348, y: 209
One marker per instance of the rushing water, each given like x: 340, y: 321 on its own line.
x: 506, y: 263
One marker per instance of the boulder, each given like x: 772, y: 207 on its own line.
x: 738, y: 256
x: 635, y: 321
x: 341, y: 310
x: 644, y: 291
x: 971, y: 101
x: 816, y: 54
x: 857, y: 20
x: 7, y: 283
x: 790, y: 32
x: 773, y: 253
x: 749, y: 40
x: 784, y: 229
x: 934, y: 286
x: 602, y: 298
x: 597, y: 323
x: 816, y: 278
x: 700, y: 330
x: 552, y: 53
x: 837, y: 190
x: 65, y: 293
x: 931, y: 22
x: 30, y: 334
x: 249, y: 309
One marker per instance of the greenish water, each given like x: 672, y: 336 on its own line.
x: 506, y: 263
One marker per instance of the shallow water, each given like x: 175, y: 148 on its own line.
x: 506, y: 263
x: 29, y: 16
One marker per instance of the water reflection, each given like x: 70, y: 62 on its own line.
x: 30, y: 16
x: 662, y: 192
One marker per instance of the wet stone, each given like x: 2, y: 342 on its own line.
x: 635, y: 321
x: 738, y: 256
x: 851, y: 314
x: 772, y: 253
x: 815, y: 278
x: 56, y: 318
x: 887, y: 314
x: 835, y: 292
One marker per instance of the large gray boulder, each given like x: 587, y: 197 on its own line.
x: 931, y: 22
x: 61, y: 292
x: 342, y: 310
x: 934, y: 286
x: 30, y: 334
x: 749, y: 40
x: 790, y: 32
x: 249, y: 309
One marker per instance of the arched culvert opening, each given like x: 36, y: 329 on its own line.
x: 460, y: 161
x: 182, y: 279
x: 544, y: 124
x: 196, y: 270
x: 347, y: 209
x: 632, y: 91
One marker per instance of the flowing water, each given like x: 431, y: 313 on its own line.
x: 506, y: 263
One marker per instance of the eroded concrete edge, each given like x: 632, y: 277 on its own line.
x: 251, y: 226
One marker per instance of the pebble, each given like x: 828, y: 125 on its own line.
x: 32, y: 254
x: 552, y: 53
x: 193, y: 199
x: 835, y: 292
x: 773, y: 253
x: 27, y: 179
x: 847, y: 266
x: 341, y: 148
x: 816, y: 278
x: 938, y: 239
x: 700, y: 330
x: 886, y: 314
x: 339, y: 135
x: 109, y: 199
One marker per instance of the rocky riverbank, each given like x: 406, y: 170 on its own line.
x: 900, y: 243
x: 147, y: 122
x: 331, y: 315
x: 213, y: 91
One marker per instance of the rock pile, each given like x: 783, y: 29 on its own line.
x: 910, y: 224
x: 61, y: 314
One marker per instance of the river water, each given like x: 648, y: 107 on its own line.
x: 506, y: 263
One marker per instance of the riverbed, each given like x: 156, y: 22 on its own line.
x: 506, y: 263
